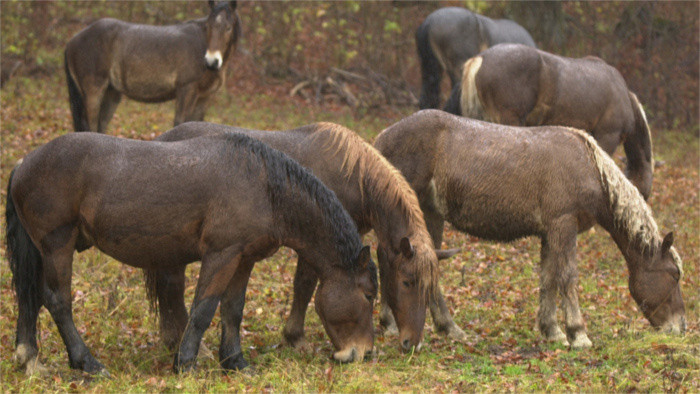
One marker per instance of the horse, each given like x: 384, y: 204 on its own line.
x: 501, y: 183
x: 157, y: 205
x: 521, y: 86
x: 450, y: 36
x: 184, y: 62
x: 377, y: 197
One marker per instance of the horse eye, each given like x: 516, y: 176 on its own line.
x: 407, y: 283
x: 369, y: 298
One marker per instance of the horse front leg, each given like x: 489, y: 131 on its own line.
x: 170, y: 291
x: 185, y: 103
x: 216, y: 272
x: 232, y: 304
x: 305, y: 281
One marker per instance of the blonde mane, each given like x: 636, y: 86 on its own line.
x: 631, y: 214
x: 385, y: 183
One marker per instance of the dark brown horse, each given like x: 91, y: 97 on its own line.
x: 226, y: 202
x: 377, y: 197
x: 450, y: 36
x: 522, y: 86
x: 185, y: 62
x: 502, y: 183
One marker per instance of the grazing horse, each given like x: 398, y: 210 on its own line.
x: 502, y: 183
x: 150, y: 64
x: 521, y: 86
x: 157, y: 205
x: 450, y: 36
x: 377, y: 197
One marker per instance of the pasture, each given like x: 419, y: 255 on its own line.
x: 492, y: 289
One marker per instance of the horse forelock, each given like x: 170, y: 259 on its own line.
x: 385, y: 186
x: 631, y: 214
x: 285, y: 176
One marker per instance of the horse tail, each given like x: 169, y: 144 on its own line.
x: 638, y: 149
x: 77, y: 106
x: 151, y: 277
x: 23, y: 256
x: 430, y: 68
x: 469, y: 99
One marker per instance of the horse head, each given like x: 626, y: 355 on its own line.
x: 655, y: 286
x: 222, y: 29
x: 409, y: 277
x: 344, y: 304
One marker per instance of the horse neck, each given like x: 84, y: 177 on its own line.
x: 634, y: 250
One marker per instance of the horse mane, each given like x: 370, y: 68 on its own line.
x: 387, y: 186
x: 631, y: 214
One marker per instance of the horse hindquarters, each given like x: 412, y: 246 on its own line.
x: 77, y: 105
x: 430, y: 68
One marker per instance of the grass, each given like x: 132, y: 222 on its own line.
x: 491, y: 288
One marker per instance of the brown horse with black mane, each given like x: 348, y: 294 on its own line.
x: 161, y: 206
x: 150, y: 64
x: 502, y: 183
x: 377, y: 197
x: 522, y: 86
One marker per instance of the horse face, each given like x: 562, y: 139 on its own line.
x: 221, y: 33
x: 656, y: 289
x: 401, y: 287
x: 344, y: 305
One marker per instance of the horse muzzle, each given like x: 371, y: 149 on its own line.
x: 352, y: 354
x: 213, y: 60
x: 675, y: 325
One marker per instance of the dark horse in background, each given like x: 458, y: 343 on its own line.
x: 450, y: 36
x: 377, y: 197
x: 522, y: 86
x: 502, y: 183
x: 161, y: 206
x: 185, y: 62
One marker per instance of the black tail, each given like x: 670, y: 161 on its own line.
x: 24, y: 257
x: 77, y: 107
x: 430, y: 68
x: 454, y: 105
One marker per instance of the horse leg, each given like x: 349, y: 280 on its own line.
x: 27, y: 349
x: 94, y: 95
x: 216, y: 272
x: 199, y: 110
x: 230, y: 353
x: 110, y: 101
x: 547, y: 314
x: 185, y: 103
x: 386, y: 317
x: 58, y: 269
x: 305, y: 281
x: 170, y: 290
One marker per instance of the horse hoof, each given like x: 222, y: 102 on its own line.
x: 581, y: 342
x: 391, y: 330
x: 205, y: 352
x: 452, y: 332
x: 299, y: 344
x: 36, y: 368
x: 235, y: 363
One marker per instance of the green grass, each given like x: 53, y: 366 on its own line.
x: 494, y: 299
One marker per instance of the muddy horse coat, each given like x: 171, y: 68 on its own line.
x: 502, y: 183
x: 522, y: 86
x: 450, y: 36
x: 185, y: 62
x: 226, y: 202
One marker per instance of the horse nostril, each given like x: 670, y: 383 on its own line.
x: 406, y: 344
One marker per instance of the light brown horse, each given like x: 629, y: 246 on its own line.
x: 522, y: 86
x: 226, y: 202
x: 185, y: 62
x: 502, y: 183
x: 377, y: 197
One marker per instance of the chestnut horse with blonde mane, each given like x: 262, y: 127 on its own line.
x: 377, y: 197
x: 502, y: 183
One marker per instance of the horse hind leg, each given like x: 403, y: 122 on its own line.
x: 110, y: 101
x: 232, y: 304
x: 547, y: 313
x: 58, y: 260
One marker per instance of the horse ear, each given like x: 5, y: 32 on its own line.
x: 667, y: 243
x: 406, y: 248
x: 363, y: 258
x: 233, y: 3
x: 212, y: 3
x: 446, y: 253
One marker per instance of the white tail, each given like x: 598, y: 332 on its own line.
x: 469, y: 101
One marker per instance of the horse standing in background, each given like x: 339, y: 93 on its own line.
x: 522, y: 86
x: 502, y: 183
x: 377, y: 197
x: 151, y: 64
x: 450, y: 36
x: 161, y: 206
